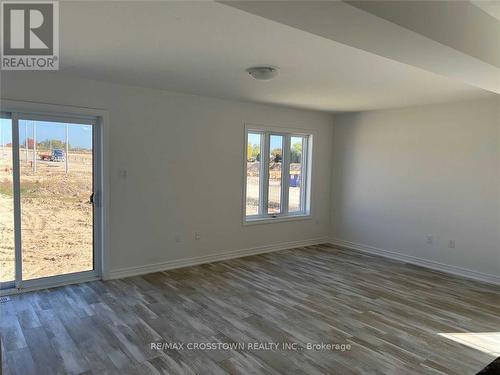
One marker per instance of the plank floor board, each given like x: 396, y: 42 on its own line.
x: 390, y: 313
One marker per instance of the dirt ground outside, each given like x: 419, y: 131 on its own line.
x: 56, y: 216
x: 252, y: 189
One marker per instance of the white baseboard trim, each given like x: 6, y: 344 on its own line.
x: 186, y: 262
x: 454, y: 270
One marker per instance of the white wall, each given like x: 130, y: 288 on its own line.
x: 398, y: 175
x: 401, y: 175
x: 184, y: 158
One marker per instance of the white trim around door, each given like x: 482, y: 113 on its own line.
x: 98, y: 118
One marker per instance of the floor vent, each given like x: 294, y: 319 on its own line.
x: 4, y: 299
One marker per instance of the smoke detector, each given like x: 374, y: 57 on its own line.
x: 263, y: 73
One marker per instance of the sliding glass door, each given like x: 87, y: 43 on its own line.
x: 48, y: 200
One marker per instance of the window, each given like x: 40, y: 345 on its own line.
x: 277, y: 174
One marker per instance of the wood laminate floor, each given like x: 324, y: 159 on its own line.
x: 391, y: 315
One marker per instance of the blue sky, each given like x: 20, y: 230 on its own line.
x: 80, y: 135
x: 275, y: 142
x: 254, y: 139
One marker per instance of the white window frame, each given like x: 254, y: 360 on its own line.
x: 307, y: 155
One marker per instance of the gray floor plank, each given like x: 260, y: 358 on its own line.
x: 389, y: 312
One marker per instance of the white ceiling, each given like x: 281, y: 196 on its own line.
x: 492, y: 7
x: 205, y: 47
x: 453, y: 39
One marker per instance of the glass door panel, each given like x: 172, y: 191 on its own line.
x: 7, y: 248
x: 56, y: 185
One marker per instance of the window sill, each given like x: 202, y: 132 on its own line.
x: 279, y: 219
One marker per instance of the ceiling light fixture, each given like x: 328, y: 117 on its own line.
x: 263, y: 73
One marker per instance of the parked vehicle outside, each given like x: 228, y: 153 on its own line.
x: 56, y: 155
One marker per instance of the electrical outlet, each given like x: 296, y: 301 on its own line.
x: 451, y: 244
x: 430, y: 240
x: 178, y: 238
x: 197, y: 236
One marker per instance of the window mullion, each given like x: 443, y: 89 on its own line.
x: 306, y: 167
x: 305, y: 174
x: 261, y: 173
x: 264, y: 184
x: 285, y: 174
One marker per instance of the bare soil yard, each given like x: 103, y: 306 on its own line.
x: 252, y: 198
x: 56, y: 218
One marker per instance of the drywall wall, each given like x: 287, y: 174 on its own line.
x: 403, y: 175
x: 188, y: 176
